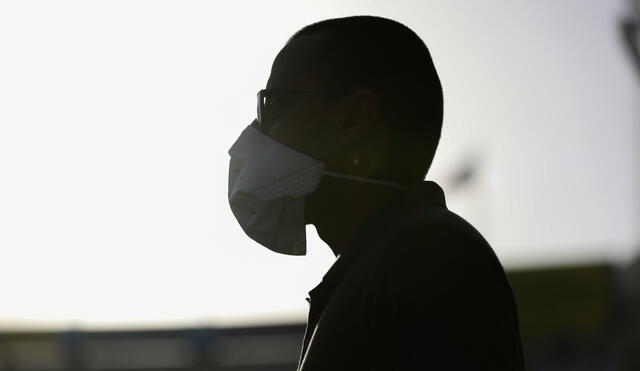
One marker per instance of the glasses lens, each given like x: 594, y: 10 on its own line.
x: 269, y: 107
x: 260, y: 103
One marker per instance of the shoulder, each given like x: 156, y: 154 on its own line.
x: 435, y: 250
x: 437, y: 221
x: 435, y: 233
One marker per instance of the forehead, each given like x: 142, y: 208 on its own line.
x: 299, y: 65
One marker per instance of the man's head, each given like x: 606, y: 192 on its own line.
x: 375, y: 107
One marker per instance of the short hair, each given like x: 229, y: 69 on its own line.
x: 389, y: 58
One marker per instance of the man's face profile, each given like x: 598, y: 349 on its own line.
x: 308, y: 115
x: 349, y: 114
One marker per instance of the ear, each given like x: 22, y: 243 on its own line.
x: 361, y: 114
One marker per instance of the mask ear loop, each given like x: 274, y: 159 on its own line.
x: 361, y: 179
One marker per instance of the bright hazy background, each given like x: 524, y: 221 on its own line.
x: 115, y: 120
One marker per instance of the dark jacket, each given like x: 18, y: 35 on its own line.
x: 418, y: 289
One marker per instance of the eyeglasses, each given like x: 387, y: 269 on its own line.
x: 271, y: 103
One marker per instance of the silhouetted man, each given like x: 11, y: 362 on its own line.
x: 345, y: 133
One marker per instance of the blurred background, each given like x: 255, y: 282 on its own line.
x: 118, y: 250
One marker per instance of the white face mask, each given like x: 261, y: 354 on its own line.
x: 268, y: 183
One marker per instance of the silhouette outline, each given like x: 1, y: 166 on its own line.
x: 414, y: 286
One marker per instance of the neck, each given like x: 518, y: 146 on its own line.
x: 339, y: 208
